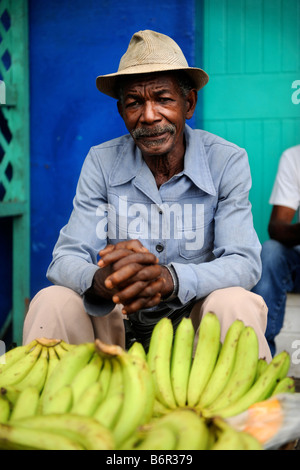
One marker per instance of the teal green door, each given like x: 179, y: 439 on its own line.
x: 251, y: 50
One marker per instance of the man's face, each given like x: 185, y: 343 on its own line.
x: 154, y: 111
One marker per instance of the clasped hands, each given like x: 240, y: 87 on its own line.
x: 131, y: 276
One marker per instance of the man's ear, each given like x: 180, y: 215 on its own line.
x: 191, y: 102
x: 120, y: 108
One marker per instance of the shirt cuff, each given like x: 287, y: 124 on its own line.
x: 187, y: 282
x: 104, y: 307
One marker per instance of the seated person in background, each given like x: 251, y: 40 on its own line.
x: 166, y: 207
x: 281, y: 254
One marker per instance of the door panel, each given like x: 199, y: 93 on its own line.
x: 251, y: 52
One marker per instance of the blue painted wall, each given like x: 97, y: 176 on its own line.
x: 70, y: 44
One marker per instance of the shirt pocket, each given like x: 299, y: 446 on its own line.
x: 196, y: 234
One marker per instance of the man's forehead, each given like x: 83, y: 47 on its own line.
x: 157, y: 81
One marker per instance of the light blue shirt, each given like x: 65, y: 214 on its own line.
x: 200, y: 221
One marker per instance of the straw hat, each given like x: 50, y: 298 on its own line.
x: 149, y: 51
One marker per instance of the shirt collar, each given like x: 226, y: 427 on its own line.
x: 129, y: 164
x: 196, y: 165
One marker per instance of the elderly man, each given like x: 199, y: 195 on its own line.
x: 161, y: 225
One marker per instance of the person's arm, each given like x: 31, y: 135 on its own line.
x: 281, y: 227
x: 236, y: 252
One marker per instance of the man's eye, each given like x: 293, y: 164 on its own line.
x: 131, y: 104
x: 164, y: 99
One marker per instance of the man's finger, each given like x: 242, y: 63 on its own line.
x: 142, y: 302
x: 123, y: 256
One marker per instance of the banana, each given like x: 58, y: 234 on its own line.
x: 69, y: 366
x: 86, y: 377
x: 36, y: 377
x: 138, y: 352
x: 16, y: 372
x: 224, y: 365
x: 261, y: 366
x: 105, y: 375
x: 159, y: 409
x: 229, y: 440
x: 60, y: 351
x: 260, y: 390
x: 159, y: 360
x: 189, y: 428
x: 205, y: 357
x: 15, y: 437
x: 89, y: 401
x: 15, y: 354
x: 137, y: 349
x: 60, y: 402
x: 181, y: 360
x: 116, y: 384
x: 53, y: 360
x: 134, y: 404
x: 243, y: 373
x: 109, y: 409
x: 285, y: 367
x: 48, y: 342
x: 285, y: 385
x: 10, y: 394
x: 85, y: 430
x: 4, y: 410
x: 26, y: 404
x: 250, y: 442
x: 67, y: 346
x: 147, y: 378
x: 161, y: 438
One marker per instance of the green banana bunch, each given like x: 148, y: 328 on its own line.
x: 181, y: 360
x: 159, y: 360
x: 15, y: 354
x: 242, y: 375
x: 223, y: 367
x: 190, y: 429
x: 89, y: 402
x: 181, y: 429
x: 81, y: 432
x: 228, y: 438
x: 205, y: 357
x: 135, y: 391
x: 157, y: 438
x: 85, y: 377
x: 14, y: 373
x: 64, y: 373
x: 36, y: 377
x: 261, y: 389
x: 285, y: 385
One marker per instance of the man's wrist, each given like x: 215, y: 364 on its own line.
x: 173, y: 274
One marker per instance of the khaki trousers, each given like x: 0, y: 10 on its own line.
x: 58, y: 312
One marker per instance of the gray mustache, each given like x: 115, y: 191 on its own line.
x: 154, y: 131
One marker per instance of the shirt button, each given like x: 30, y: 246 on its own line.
x: 159, y: 247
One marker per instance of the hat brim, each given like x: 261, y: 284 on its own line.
x: 107, y: 83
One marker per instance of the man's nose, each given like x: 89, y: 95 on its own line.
x: 150, y: 112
